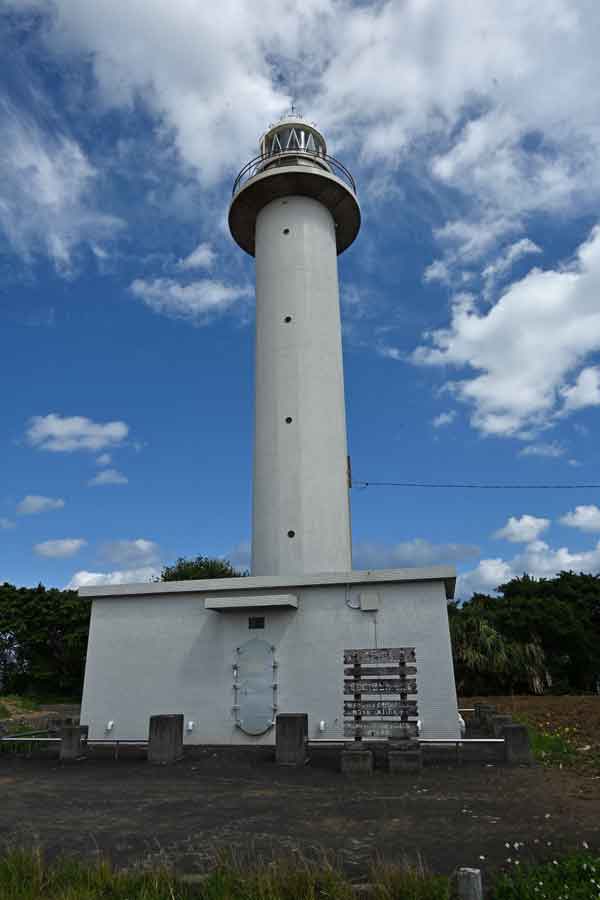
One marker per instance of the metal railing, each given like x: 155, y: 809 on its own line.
x: 283, y: 157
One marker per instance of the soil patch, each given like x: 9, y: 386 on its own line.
x: 140, y: 815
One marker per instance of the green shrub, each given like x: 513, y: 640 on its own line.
x: 574, y: 877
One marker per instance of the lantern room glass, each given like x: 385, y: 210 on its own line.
x: 292, y: 138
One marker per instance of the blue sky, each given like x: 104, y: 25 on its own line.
x: 470, y: 300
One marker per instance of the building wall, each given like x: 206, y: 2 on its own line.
x: 152, y: 654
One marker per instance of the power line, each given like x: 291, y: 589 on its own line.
x: 476, y: 486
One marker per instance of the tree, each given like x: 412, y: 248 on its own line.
x: 43, y: 640
x: 199, y: 567
x: 559, y: 617
x: 486, y: 662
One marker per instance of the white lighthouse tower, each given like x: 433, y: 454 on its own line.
x: 230, y: 655
x: 295, y: 209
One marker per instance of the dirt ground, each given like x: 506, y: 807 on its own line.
x: 576, y: 719
x: 139, y: 814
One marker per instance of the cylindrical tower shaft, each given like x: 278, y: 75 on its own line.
x: 294, y: 208
x: 301, y: 520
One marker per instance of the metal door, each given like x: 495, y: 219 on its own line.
x: 255, y: 685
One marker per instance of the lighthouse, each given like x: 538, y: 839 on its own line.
x: 295, y: 209
x: 228, y: 656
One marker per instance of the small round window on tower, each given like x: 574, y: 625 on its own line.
x: 291, y: 534
x: 288, y: 419
x: 286, y: 230
x: 287, y: 319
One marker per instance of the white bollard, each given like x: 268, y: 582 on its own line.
x: 468, y: 884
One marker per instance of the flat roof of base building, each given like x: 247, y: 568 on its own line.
x: 447, y: 574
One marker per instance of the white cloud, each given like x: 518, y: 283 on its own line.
x: 519, y: 355
x: 64, y: 434
x: 584, y: 392
x: 486, y: 577
x: 84, y: 578
x: 390, y: 352
x: 35, y: 503
x: 444, y: 418
x: 537, y: 559
x: 60, y: 549
x: 198, y: 302
x: 5, y: 523
x: 135, y: 554
x: 551, y: 451
x: 48, y: 184
x: 505, y: 262
x: 586, y: 518
x: 418, y: 552
x: 108, y: 476
x: 203, y: 257
x: 104, y: 459
x: 391, y: 79
x: 523, y: 530
x: 437, y: 271
x: 207, y: 78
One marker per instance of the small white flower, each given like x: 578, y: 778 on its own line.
x: 585, y: 844
x: 482, y: 857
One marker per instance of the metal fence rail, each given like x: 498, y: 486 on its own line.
x: 284, y: 157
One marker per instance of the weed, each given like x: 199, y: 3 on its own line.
x: 25, y: 875
x: 575, y: 877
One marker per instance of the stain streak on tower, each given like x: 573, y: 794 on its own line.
x: 295, y: 209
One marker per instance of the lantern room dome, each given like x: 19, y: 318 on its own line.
x: 290, y: 134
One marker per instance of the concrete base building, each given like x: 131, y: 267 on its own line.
x: 231, y: 654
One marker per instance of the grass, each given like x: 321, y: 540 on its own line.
x: 16, y: 704
x: 574, y: 877
x: 4, y: 711
x: 25, y: 875
x: 551, y: 748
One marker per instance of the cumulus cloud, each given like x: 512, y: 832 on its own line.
x: 444, y: 418
x: 104, y: 459
x: 418, y: 552
x: 83, y: 578
x: 60, y: 549
x: 523, y: 530
x: 133, y: 554
x: 48, y: 202
x: 537, y: 559
x: 198, y: 302
x: 203, y: 257
x: 35, y: 503
x: 586, y: 518
x: 65, y: 434
x: 108, y: 476
x: 519, y: 355
x: 584, y: 392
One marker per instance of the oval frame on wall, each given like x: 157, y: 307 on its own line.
x: 255, y: 686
